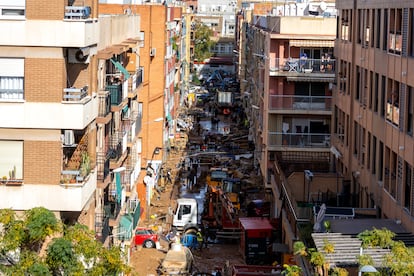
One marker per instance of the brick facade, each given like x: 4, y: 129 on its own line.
x: 42, y: 162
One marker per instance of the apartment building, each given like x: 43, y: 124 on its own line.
x: 68, y: 112
x: 374, y: 105
x: 158, y: 98
x: 286, y: 71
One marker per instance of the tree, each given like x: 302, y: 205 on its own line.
x: 34, y: 244
x: 203, y: 43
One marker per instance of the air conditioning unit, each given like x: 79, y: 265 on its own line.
x: 69, y: 138
x: 153, y: 51
x: 78, y: 55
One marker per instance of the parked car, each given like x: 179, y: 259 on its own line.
x: 146, y: 237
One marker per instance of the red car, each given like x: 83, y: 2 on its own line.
x: 145, y: 237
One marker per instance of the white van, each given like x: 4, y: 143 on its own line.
x: 186, y: 213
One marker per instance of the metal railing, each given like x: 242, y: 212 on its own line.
x: 293, y: 102
x: 297, y: 65
x: 300, y: 140
x: 75, y: 94
x: 116, y: 93
x: 104, y: 99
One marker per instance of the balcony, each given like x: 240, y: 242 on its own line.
x: 135, y: 81
x: 74, y: 94
x: 293, y: 102
x: 69, y: 32
x: 102, y: 228
x: 104, y: 102
x: 299, y: 140
x: 77, y: 12
x: 112, y: 209
x: 289, y: 66
x: 116, y: 93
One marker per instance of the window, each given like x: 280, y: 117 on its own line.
x: 393, y: 101
x: 408, y: 186
x: 394, y: 32
x: 377, y: 28
x: 382, y: 99
x: 346, y: 25
x: 11, y: 79
x: 12, y: 9
x: 410, y: 111
x: 11, y: 160
x: 411, y: 33
x: 374, y: 155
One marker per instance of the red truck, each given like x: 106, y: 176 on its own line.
x: 256, y: 240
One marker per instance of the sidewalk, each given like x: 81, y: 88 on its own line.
x: 163, y: 205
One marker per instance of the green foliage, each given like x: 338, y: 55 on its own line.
x: 202, y: 41
x: 328, y: 247
x: 339, y: 271
x: 291, y: 270
x: 61, y: 257
x: 377, y: 237
x: 401, y: 259
x: 76, y: 252
x: 30, y: 264
x: 299, y: 248
x: 40, y: 223
x: 13, y: 237
x: 365, y: 260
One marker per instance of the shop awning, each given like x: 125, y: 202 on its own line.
x: 120, y: 68
x: 311, y: 43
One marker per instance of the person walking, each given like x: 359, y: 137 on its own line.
x: 169, y: 180
x: 200, y: 239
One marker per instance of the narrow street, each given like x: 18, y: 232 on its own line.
x: 206, y: 143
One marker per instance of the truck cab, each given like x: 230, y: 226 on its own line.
x: 216, y: 175
x: 186, y: 213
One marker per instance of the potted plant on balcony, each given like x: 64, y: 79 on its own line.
x: 85, y: 167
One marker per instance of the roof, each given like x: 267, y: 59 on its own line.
x: 347, y: 248
x: 255, y: 223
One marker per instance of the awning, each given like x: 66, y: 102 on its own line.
x: 168, y: 118
x: 311, y: 43
x: 118, y: 187
x: 309, y: 79
x: 120, y: 68
x: 125, y: 109
x: 125, y: 227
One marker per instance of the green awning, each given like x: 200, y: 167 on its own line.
x: 120, y: 68
x: 118, y: 186
x: 125, y: 227
x: 169, y: 118
x: 125, y: 109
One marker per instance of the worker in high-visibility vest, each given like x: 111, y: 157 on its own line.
x: 200, y: 239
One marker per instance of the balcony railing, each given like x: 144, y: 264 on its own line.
x: 102, y: 229
x: 112, y: 209
x: 299, y: 140
x: 77, y: 12
x: 297, y: 65
x: 116, y: 93
x: 136, y: 80
x: 104, y: 99
x: 289, y: 102
x: 75, y: 94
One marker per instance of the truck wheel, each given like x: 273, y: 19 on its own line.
x: 148, y: 244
